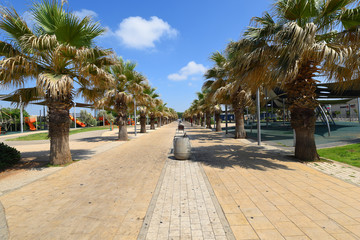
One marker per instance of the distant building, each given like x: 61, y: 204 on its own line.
x: 342, y: 110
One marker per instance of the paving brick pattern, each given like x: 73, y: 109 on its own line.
x: 184, y: 208
x: 105, y: 197
x: 268, y: 196
x: 339, y: 170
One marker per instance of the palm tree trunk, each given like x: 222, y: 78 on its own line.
x: 239, y: 121
x: 208, y: 120
x: 152, y: 121
x: 59, y: 125
x: 122, y: 122
x: 302, y: 100
x: 218, y: 121
x: 303, y: 121
x: 158, y: 122
x: 142, y: 123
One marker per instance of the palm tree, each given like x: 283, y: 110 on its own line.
x: 145, y: 101
x: 58, y: 52
x: 302, y: 45
x: 120, y: 94
x: 227, y: 89
x: 153, y: 109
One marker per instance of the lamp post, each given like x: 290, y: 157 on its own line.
x: 135, y: 114
x: 226, y: 119
x: 103, y: 116
x: 258, y: 116
x: 21, y: 116
x: 75, y: 114
x: 358, y: 105
x: 284, y: 111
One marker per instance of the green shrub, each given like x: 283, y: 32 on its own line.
x: 8, y: 156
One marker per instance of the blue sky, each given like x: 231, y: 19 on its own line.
x: 170, y: 41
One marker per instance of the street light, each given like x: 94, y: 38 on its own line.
x: 258, y: 116
x: 135, y: 113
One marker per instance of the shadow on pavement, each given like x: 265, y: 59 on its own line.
x: 228, y: 155
x: 97, y: 139
x: 43, y: 156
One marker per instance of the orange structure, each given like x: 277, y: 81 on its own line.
x: 81, y: 124
x: 131, y: 122
x: 106, y: 121
x: 29, y: 121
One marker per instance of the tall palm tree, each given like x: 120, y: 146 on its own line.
x: 145, y: 102
x: 228, y: 90
x: 58, y: 52
x: 155, y: 102
x: 119, y: 95
x: 301, y: 43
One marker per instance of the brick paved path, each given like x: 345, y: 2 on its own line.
x: 269, y: 196
x: 184, y: 207
x: 105, y: 197
x: 231, y: 187
x: 343, y: 171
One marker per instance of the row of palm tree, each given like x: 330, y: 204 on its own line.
x: 60, y: 53
x: 288, y: 48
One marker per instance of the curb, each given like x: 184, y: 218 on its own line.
x: 4, y: 230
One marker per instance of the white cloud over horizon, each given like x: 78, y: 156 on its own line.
x: 86, y: 13
x: 139, y: 33
x: 136, y: 32
x: 192, y: 69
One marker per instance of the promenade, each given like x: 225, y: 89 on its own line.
x: 229, y: 189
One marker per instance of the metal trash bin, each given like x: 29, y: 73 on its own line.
x: 181, y: 127
x: 182, y: 147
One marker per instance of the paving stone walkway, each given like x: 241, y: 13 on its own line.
x: 232, y: 189
x: 266, y: 195
x: 185, y: 207
x: 343, y: 171
x: 105, y: 197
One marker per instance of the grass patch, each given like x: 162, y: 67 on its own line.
x: 44, y: 136
x: 349, y: 154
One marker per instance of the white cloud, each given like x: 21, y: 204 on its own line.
x: 86, y: 13
x: 139, y: 33
x: 192, y: 69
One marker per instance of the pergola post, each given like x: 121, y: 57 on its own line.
x: 44, y: 118
x: 103, y: 116
x: 266, y: 108
x: 350, y: 112
x: 358, y: 103
x: 247, y: 115
x: 258, y: 116
x: 135, y: 114
x: 284, y: 111
x: 21, y: 116
x: 226, y: 118
x: 75, y: 114
x: 214, y: 121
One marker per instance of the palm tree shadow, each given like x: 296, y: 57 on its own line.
x: 244, y: 157
x: 97, y: 139
x: 248, y: 157
x: 43, y: 156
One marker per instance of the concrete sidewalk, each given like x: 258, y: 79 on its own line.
x: 266, y: 195
x: 105, y: 197
x: 230, y: 189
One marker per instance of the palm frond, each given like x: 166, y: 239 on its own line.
x: 57, y: 86
x: 12, y: 24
